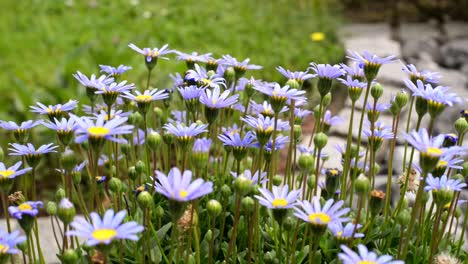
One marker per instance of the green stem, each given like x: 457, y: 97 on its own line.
x: 408, y: 121
x: 347, y: 153
x: 390, y: 168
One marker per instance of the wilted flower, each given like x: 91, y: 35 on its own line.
x: 105, y: 230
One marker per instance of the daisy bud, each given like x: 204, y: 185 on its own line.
x: 401, y: 99
x: 270, y: 257
x: 230, y: 75
x: 277, y: 180
x: 425, y: 197
x: 461, y: 126
x: 421, y: 106
x: 288, y: 223
x: 442, y: 196
x: 297, y: 132
x: 145, y: 200
x: 311, y: 181
x: 132, y: 173
x: 320, y: 140
x: 68, y: 159
x: 458, y: 212
x: 135, y: 119
x: 376, y: 91
x: 376, y: 203
x: 225, y: 191
x: 306, y: 162
x: 76, y: 177
x: 59, y: 194
x: 247, y: 204
x: 168, y: 138
x: 115, y: 185
x: 293, y: 84
x: 66, y: 211
x: 51, y: 208
x: 404, y: 217
x: 126, y: 149
x: 214, y: 208
x: 159, y: 212
x: 394, y: 109
x: 69, y: 257
x: 362, y: 185
x: 316, y: 111
x: 332, y: 180
x: 327, y: 99
x: 242, y: 185
x: 140, y: 167
x: 249, y: 89
x: 154, y: 140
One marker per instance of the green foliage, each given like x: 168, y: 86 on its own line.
x: 44, y: 42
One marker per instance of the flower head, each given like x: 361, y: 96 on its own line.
x: 354, y: 71
x: 202, y: 145
x: 93, y: 82
x: 27, y: 208
x: 344, y: 232
x: 436, y: 183
x: 105, y: 230
x: 317, y: 215
x: 215, y: 99
x: 369, y: 59
x: 182, y: 131
x: 255, y: 178
x: 364, y: 257
x: 8, y: 242
x: 54, y: 110
x: 280, y: 198
x: 179, y: 187
x: 278, y: 93
x: 152, y: 53
x: 12, y: 126
x: 234, y: 140
x: 239, y: 67
x: 424, y: 76
x: 299, y: 76
x: 265, y: 109
x: 114, y: 71
x: 200, y: 77
x: 98, y: 130
x: 147, y: 96
x: 191, y: 92
x: 30, y: 150
x: 12, y: 172
x: 326, y: 71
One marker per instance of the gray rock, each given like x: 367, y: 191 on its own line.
x: 411, y: 48
x: 454, y: 53
x: 398, y: 159
x: 334, y: 160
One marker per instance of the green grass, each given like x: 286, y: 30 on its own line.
x: 44, y: 42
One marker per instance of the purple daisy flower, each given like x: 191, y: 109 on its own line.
x: 364, y: 256
x: 152, y: 54
x: 202, y: 145
x: 12, y: 126
x: 105, y: 230
x: 216, y: 99
x: 280, y: 143
x: 301, y: 113
x: 104, y: 160
x: 326, y: 71
x: 190, y: 92
x: 147, y: 96
x: 317, y: 215
x: 200, y: 77
x: 280, y: 198
x: 256, y: 178
x: 115, y: 88
x: 443, y: 183
x: 280, y: 93
x: 424, y: 76
x: 438, y: 95
x: 368, y: 59
x: 54, y: 110
x: 177, y: 79
x: 113, y: 71
x: 114, y: 114
x: 354, y: 71
x: 344, y: 232
x: 378, y: 107
x: 99, y: 129
x: 8, y: 242
x: 12, y: 172
x: 235, y: 140
x: 179, y: 187
x: 192, y: 57
x: 27, y: 208
x: 240, y: 67
x: 179, y: 117
x: 182, y: 131
x: 62, y: 126
x: 381, y: 131
x: 330, y: 120
x: 431, y: 146
x: 298, y: 76
x: 30, y: 150
x: 263, y: 124
x: 352, y: 83
x: 93, y: 82
x: 265, y: 109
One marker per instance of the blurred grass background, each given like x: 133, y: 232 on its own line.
x: 45, y: 41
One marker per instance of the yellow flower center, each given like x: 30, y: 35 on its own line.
x: 206, y: 81
x: 339, y: 233
x: 104, y: 234
x: 279, y: 202
x: 4, y: 248
x: 6, y: 173
x: 183, y: 193
x: 333, y: 172
x: 144, y: 98
x: 317, y: 36
x: 24, y: 207
x: 98, y: 131
x: 442, y: 163
x: 367, y: 262
x: 214, y: 101
x: 319, y: 218
x: 434, y: 151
